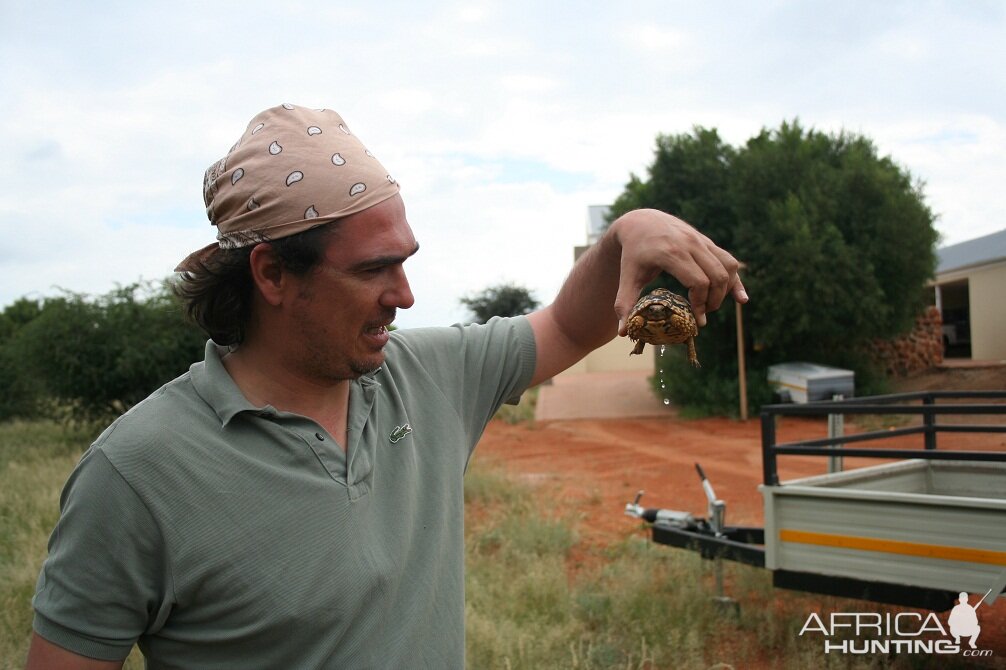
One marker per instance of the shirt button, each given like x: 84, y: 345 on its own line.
x: 320, y: 437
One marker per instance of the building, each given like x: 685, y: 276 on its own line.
x: 970, y: 285
x: 613, y: 356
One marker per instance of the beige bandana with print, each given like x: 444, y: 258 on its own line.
x: 293, y: 169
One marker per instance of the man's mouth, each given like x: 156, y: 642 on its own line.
x: 377, y: 336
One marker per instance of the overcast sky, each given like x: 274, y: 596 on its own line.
x: 501, y: 120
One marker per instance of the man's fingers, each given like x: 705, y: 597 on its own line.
x: 655, y: 242
x: 625, y: 299
x: 716, y: 279
x: 696, y: 297
x: 739, y: 292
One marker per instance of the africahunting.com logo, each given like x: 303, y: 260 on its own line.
x: 901, y: 633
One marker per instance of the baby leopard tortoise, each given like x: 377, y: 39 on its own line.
x: 662, y: 317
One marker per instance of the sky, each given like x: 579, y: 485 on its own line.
x: 502, y: 121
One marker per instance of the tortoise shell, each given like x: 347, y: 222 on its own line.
x: 662, y: 317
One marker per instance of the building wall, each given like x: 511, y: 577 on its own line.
x: 988, y: 312
x: 614, y: 357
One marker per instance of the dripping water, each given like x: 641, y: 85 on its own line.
x: 663, y: 386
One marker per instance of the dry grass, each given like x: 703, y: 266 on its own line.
x: 636, y: 605
x: 35, y: 460
x: 523, y: 412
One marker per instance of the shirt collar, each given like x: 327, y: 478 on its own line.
x: 216, y: 387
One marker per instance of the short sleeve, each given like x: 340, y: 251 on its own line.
x: 478, y: 366
x: 105, y: 581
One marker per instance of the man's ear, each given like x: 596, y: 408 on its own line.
x: 268, y: 274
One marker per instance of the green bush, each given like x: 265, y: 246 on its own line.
x: 837, y: 243
x: 91, y: 358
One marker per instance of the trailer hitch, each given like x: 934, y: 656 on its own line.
x: 709, y: 536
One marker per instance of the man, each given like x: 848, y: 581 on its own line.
x: 963, y: 620
x: 296, y: 499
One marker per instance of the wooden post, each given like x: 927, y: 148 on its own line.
x: 741, y: 372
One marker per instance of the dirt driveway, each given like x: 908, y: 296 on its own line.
x: 597, y: 465
x: 634, y: 442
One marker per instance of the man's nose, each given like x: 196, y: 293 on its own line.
x: 400, y: 294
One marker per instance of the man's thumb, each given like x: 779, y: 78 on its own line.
x: 625, y: 299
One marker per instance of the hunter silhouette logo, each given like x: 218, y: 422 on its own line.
x: 863, y: 633
x: 963, y: 620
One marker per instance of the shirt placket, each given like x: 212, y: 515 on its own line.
x: 363, y: 410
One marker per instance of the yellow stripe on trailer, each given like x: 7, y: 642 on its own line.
x: 965, y: 554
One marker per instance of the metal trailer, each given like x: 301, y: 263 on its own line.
x: 805, y: 382
x: 914, y: 532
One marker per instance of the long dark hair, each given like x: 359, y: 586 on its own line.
x: 217, y: 293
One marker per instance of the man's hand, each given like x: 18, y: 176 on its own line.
x: 638, y: 247
x: 652, y: 241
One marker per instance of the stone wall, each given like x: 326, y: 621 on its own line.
x: 919, y: 350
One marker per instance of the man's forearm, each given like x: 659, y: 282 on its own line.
x: 584, y: 308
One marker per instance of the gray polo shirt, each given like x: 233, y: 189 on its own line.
x: 217, y: 534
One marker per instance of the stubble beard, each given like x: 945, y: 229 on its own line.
x: 332, y: 366
x: 360, y: 369
x: 321, y: 362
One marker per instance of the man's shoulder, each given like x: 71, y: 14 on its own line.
x: 458, y: 334
x: 461, y: 357
x: 173, y: 408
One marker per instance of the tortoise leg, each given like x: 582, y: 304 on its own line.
x: 638, y: 349
x: 693, y: 358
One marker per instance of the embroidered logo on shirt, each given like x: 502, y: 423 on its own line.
x: 399, y: 432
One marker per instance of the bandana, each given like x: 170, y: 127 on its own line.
x: 293, y: 169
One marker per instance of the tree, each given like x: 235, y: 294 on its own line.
x: 93, y: 358
x: 689, y: 177
x: 838, y: 244
x: 16, y: 315
x: 500, y: 300
x: 19, y: 390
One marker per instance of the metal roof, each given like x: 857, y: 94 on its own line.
x: 979, y: 251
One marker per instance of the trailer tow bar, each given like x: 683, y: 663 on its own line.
x: 717, y: 510
x: 711, y: 537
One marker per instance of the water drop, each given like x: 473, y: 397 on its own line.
x: 663, y: 348
x: 667, y: 401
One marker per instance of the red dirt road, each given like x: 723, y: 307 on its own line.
x: 598, y: 465
x: 614, y: 459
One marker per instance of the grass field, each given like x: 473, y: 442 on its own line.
x: 537, y: 596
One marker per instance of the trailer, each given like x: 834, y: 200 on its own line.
x: 802, y: 382
x: 915, y: 530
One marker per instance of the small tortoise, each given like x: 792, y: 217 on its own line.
x: 662, y: 317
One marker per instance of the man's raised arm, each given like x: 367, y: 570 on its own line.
x: 596, y: 298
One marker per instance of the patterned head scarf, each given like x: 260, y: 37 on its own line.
x: 293, y: 169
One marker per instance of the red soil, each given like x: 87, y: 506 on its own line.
x: 596, y: 466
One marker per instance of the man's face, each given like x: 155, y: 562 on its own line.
x: 341, y: 310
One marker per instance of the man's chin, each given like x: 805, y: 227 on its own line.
x: 366, y: 367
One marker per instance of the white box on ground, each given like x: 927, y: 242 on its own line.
x: 805, y: 382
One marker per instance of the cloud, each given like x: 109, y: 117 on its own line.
x: 474, y: 235
x: 502, y: 121
x: 657, y: 41
x: 937, y: 152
